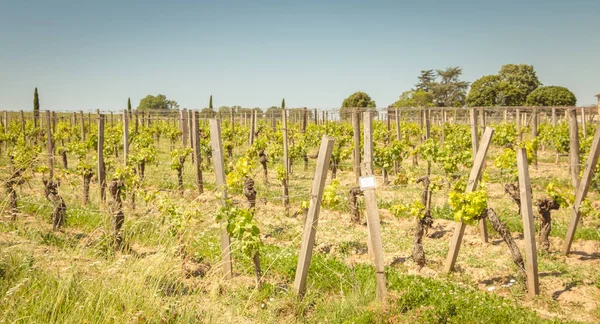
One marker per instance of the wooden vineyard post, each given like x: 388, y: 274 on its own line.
x: 398, y: 137
x: 573, y: 147
x: 474, y: 176
x: 388, y: 126
x: 482, y: 117
x: 398, y: 133
x: 184, y: 127
x: 232, y: 121
x: 582, y: 189
x: 505, y: 115
x: 49, y: 147
x: 125, y: 136
x: 286, y: 162
x: 443, y: 125
x: 215, y: 141
x: 427, y: 114
x: 316, y: 117
x: 518, y: 124
x: 82, y: 125
x: 252, y: 128
x: 553, y: 116
x: 312, y: 218
x: 101, y: 167
x: 474, y: 131
x: 6, y: 123
x: 421, y: 123
x: 190, y: 117
x: 273, y: 121
x: 197, y: 157
x: 534, y: 133
x: 23, y: 124
x: 583, y: 122
x: 373, y: 220
x: 531, y: 266
x: 304, y: 120
x: 474, y: 146
x: 356, y: 140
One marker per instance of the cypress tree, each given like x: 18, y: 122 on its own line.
x: 36, y: 107
x: 283, y: 103
x: 210, y: 103
x: 129, y: 106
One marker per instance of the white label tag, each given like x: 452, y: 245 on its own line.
x: 367, y: 182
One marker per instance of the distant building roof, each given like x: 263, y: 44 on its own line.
x: 598, y: 95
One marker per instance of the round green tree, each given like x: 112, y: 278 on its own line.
x: 551, y: 96
x: 484, y: 91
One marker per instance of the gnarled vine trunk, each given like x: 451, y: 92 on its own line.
x: 14, y: 180
x: 423, y: 224
x: 501, y: 228
x: 59, y: 213
x: 545, y: 206
x: 63, y: 155
x: 512, y: 189
x: 355, y: 192
x: 179, y: 171
x: 87, y: 178
x: 262, y: 157
x: 250, y: 194
x: 115, y: 189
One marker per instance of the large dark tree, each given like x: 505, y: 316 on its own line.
x: 484, y: 91
x: 36, y: 107
x: 449, y: 91
x: 414, y: 98
x: 158, y: 102
x: 551, y: 96
x: 426, y: 80
x: 358, y: 100
x: 517, y: 82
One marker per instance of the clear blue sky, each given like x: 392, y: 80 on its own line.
x: 95, y: 54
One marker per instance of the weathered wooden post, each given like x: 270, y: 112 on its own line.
x: 482, y: 117
x: 304, y: 120
x: 356, y: 141
x: 573, y: 147
x: 215, y: 140
x: 49, y: 146
x: 125, y: 136
x: 6, y: 123
x: 197, y: 157
x: 583, y: 122
x: 531, y: 266
x: 474, y: 176
x: 475, y: 146
x: 185, y: 129
x: 312, y: 218
x: 582, y: 189
x: 534, y: 134
x: 82, y: 125
x: 518, y: 124
x: 286, y: 161
x: 101, y: 167
x: 373, y: 220
x: 252, y: 128
x: 23, y: 124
